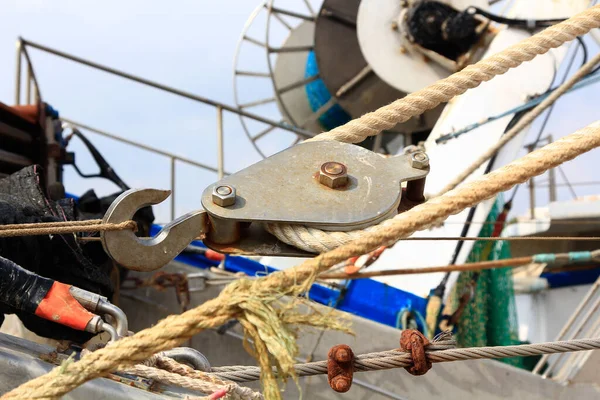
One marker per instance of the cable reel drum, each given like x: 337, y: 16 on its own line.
x: 327, y: 66
x: 427, y: 40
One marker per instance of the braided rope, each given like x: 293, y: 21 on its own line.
x: 51, y: 224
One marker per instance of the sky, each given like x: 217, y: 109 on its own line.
x: 189, y: 45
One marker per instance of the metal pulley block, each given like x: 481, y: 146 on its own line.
x: 326, y: 185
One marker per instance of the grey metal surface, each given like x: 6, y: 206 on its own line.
x: 256, y: 240
x: 285, y: 187
x: 339, y: 59
x: 189, y: 356
x: 119, y: 317
x: 148, y: 254
x: 481, y: 379
x: 18, y: 74
x: 87, y: 299
x: 20, y: 362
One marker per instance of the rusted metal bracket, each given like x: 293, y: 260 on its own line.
x: 340, y: 368
x: 414, y: 342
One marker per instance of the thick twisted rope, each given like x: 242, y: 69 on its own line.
x: 318, y: 241
x: 418, y: 102
x: 63, y: 227
x: 235, y: 391
x: 253, y: 300
x: 398, y: 359
x: 522, y: 124
x: 176, y: 329
x: 548, y: 157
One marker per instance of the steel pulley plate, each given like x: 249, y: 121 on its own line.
x: 257, y: 241
x: 285, y: 188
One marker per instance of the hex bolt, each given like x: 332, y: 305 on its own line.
x: 223, y: 196
x: 419, y: 160
x: 333, y: 174
x: 342, y: 355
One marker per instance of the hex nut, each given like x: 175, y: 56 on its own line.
x: 333, y: 175
x: 419, y: 160
x: 223, y: 196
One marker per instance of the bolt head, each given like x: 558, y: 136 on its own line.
x: 341, y: 384
x: 223, y: 196
x: 342, y: 355
x: 333, y: 174
x: 419, y: 160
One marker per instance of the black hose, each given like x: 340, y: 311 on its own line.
x: 522, y: 23
x: 20, y: 288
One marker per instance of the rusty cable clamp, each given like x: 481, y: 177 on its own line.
x: 414, y: 342
x: 340, y: 360
x: 315, y: 184
x: 340, y: 368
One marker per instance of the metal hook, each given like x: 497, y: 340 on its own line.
x: 149, y: 254
x: 189, y: 356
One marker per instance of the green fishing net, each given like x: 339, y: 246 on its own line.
x: 490, y: 318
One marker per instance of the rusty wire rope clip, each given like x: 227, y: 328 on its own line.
x: 414, y: 342
x: 340, y: 368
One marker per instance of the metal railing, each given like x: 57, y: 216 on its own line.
x: 583, y: 323
x: 23, y: 45
x: 31, y: 78
x: 172, y: 157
